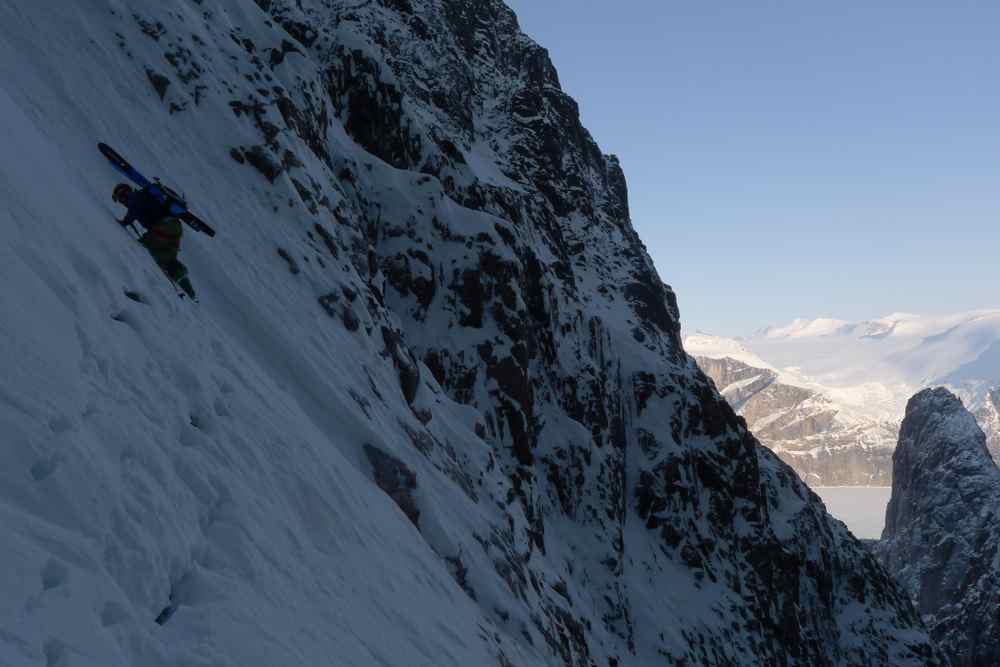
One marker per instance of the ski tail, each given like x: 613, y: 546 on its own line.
x: 196, y: 223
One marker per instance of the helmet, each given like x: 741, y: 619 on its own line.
x: 120, y: 193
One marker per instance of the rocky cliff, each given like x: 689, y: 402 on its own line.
x: 808, y: 429
x: 433, y: 408
x: 941, y: 536
x: 988, y: 416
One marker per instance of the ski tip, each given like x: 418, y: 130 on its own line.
x: 110, y: 153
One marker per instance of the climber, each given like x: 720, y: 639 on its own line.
x: 163, y: 231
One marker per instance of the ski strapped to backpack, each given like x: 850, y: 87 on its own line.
x: 170, y: 199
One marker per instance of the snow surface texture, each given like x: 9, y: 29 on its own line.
x: 432, y: 408
x: 941, y: 534
x: 835, y: 391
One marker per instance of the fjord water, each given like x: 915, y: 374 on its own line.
x: 862, y: 508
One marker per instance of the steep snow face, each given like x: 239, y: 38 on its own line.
x: 941, y: 536
x: 708, y: 346
x: 432, y: 408
x: 803, y: 328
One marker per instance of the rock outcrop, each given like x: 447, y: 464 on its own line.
x: 942, y: 536
x: 988, y: 416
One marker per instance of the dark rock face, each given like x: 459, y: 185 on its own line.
x: 159, y: 82
x: 738, y: 382
x: 941, y: 536
x: 393, y: 477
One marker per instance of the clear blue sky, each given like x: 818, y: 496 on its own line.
x: 801, y: 158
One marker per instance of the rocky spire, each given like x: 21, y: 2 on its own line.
x: 941, y: 536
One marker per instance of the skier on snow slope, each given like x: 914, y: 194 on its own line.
x: 163, y: 236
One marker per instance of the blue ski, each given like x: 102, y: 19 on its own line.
x: 162, y: 193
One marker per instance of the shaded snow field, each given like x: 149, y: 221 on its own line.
x: 862, y: 508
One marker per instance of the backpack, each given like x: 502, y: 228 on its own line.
x: 171, y: 203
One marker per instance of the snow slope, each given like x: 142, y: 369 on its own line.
x: 210, y: 458
x: 432, y: 408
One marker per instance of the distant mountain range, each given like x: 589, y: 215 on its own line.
x: 828, y: 395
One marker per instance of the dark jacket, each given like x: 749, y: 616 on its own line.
x: 145, y: 209
x: 164, y: 233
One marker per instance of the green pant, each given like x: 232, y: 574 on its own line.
x: 163, y: 241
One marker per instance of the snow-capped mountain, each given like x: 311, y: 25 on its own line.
x: 433, y: 407
x: 899, y: 348
x: 941, y: 537
x: 826, y: 442
x: 843, y: 386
